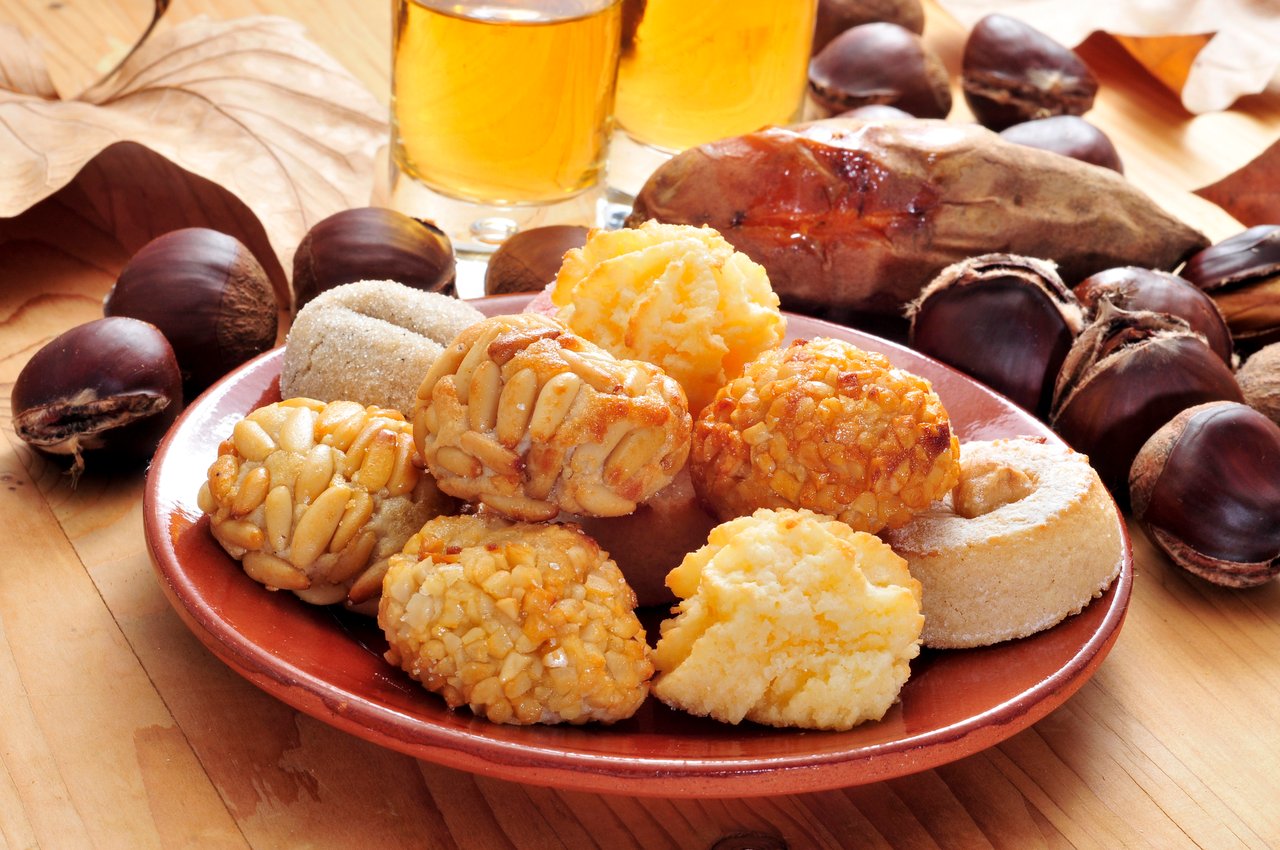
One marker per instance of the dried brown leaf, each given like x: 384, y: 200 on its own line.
x: 1252, y: 193
x: 248, y: 107
x: 1238, y: 55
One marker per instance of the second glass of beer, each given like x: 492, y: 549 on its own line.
x: 501, y: 113
x: 695, y: 72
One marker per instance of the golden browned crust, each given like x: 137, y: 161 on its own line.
x: 826, y: 426
x: 1028, y: 556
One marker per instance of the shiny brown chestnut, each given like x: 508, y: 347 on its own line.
x: 530, y: 259
x: 1206, y: 487
x: 836, y: 16
x: 1131, y: 288
x: 1259, y: 380
x: 1242, y: 274
x: 1068, y: 135
x: 1011, y: 72
x: 207, y: 294
x: 880, y: 63
x: 1126, y: 375
x: 372, y: 243
x: 110, y: 384
x: 1005, y: 320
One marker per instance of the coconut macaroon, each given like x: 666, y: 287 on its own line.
x: 524, y: 623
x: 789, y: 618
x: 370, y: 342
x: 677, y: 296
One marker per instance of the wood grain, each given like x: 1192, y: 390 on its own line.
x: 120, y: 730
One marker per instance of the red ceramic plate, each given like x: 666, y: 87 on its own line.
x: 330, y: 665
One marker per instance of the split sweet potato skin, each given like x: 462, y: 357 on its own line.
x: 852, y: 219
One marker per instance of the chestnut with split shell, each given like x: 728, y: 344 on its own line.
x: 1126, y: 375
x: 1005, y: 320
x: 1132, y: 288
x: 1206, y: 487
x: 1012, y: 72
x: 207, y: 294
x: 1242, y: 274
x: 108, y: 385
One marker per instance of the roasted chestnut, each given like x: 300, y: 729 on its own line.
x: 207, y: 294
x: 372, y: 243
x: 836, y: 16
x: 110, y: 384
x: 1011, y: 72
x: 529, y: 260
x: 1069, y: 135
x: 1126, y: 375
x: 1259, y: 380
x: 1131, y: 288
x: 1242, y: 274
x: 880, y: 63
x: 1206, y: 487
x: 1022, y: 313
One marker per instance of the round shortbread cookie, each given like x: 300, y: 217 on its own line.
x: 1028, y: 538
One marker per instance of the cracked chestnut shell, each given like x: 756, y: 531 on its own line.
x: 880, y: 63
x: 372, y: 243
x: 1206, y: 487
x: 1126, y: 375
x: 207, y: 294
x: 1005, y: 320
x: 1132, y: 288
x: 112, y: 383
x: 836, y: 16
x: 1011, y: 72
x: 1242, y: 275
x: 1068, y: 135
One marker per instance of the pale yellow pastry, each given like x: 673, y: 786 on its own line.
x: 789, y: 618
x: 523, y: 623
x: 677, y: 296
x: 1028, y: 538
x: 369, y: 342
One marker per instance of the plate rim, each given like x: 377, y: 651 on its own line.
x: 543, y: 764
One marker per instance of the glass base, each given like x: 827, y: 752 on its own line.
x: 630, y: 165
x: 477, y: 229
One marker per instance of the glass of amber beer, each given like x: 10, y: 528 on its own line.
x: 694, y: 72
x: 502, y: 113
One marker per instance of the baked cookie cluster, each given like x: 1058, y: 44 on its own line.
x: 807, y: 505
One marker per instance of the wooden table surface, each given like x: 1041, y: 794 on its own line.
x: 118, y: 729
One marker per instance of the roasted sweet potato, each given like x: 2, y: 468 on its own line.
x: 852, y: 219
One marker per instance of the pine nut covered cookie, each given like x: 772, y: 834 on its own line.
x: 528, y: 418
x: 314, y: 497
